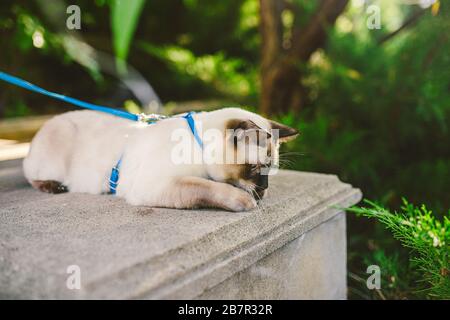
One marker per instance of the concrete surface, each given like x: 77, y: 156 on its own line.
x: 138, y: 252
x: 313, y: 266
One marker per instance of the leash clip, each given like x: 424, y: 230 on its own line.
x: 150, y: 118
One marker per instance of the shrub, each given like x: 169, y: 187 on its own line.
x: 428, y: 241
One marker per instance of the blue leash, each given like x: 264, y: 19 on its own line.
x: 114, y: 178
x: 29, y: 86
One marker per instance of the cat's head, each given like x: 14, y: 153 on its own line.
x: 251, y: 147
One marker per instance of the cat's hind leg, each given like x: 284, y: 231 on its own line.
x: 47, y: 163
x: 49, y: 186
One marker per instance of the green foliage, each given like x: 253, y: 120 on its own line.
x: 215, y: 70
x: 427, y: 238
x: 124, y: 18
x: 221, y: 36
x: 20, y: 109
x: 379, y: 115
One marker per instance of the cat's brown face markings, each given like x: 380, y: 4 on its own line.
x: 250, y: 175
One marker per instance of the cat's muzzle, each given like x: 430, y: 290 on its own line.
x: 258, y: 193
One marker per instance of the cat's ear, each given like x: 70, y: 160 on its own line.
x: 285, y: 133
x: 245, y: 127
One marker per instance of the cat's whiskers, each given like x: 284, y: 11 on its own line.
x: 296, y: 153
x: 286, y: 163
x: 259, y: 205
x: 285, y: 158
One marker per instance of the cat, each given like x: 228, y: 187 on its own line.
x: 75, y: 152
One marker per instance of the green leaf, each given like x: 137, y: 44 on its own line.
x: 124, y: 18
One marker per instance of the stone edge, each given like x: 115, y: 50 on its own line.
x: 193, y: 279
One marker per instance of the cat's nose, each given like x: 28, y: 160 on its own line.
x: 263, y: 182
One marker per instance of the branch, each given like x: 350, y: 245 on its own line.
x: 271, y: 31
x: 408, y: 22
x: 306, y: 41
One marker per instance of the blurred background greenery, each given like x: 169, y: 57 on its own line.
x: 372, y: 105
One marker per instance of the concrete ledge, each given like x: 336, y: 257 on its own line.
x: 140, y: 252
x: 309, y: 267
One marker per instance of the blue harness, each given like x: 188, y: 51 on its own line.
x: 115, y: 172
x: 149, y: 119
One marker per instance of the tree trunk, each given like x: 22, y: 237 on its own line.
x: 281, y: 88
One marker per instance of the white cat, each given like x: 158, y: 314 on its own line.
x: 76, y: 151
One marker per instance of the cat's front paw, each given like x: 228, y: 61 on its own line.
x: 241, y: 201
